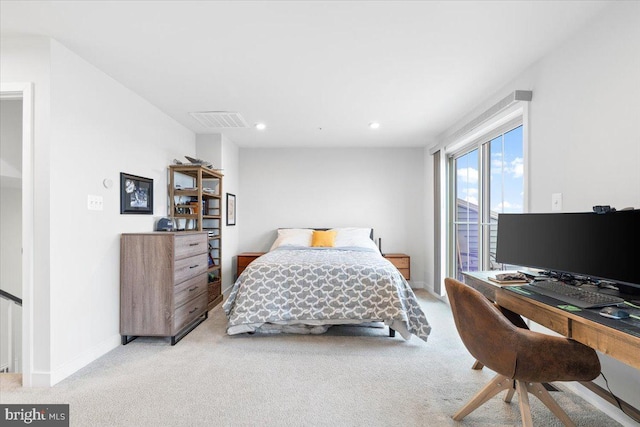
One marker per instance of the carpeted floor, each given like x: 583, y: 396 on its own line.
x: 350, y: 376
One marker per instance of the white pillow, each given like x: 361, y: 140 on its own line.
x: 354, y: 237
x: 293, y: 237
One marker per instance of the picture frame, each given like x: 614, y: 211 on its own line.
x: 136, y: 194
x: 231, y: 209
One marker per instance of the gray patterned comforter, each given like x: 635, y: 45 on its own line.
x: 314, y: 286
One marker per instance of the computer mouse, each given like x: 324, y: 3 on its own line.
x: 614, y: 313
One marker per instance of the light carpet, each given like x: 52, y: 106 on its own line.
x: 351, y: 376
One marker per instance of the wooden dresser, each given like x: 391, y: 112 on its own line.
x: 163, y: 284
x: 402, y: 263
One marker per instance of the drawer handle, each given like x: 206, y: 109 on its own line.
x: 194, y: 244
x: 193, y: 289
x: 193, y: 311
x: 194, y: 266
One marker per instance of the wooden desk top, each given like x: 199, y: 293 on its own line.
x: 585, y: 326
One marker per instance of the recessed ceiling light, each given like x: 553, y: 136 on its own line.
x: 261, y: 126
x: 374, y: 125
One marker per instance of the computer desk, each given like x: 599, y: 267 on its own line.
x: 587, y: 327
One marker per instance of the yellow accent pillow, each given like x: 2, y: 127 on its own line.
x: 323, y: 238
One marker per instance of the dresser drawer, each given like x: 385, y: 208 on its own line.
x: 189, y: 311
x: 400, y: 262
x: 244, y: 259
x: 189, y: 289
x: 406, y: 273
x: 189, y: 267
x: 188, y: 244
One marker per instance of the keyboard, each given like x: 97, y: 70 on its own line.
x: 572, y: 295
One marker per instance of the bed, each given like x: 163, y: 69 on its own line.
x: 303, y: 287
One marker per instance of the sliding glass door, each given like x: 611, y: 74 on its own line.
x: 466, y: 212
x: 487, y: 179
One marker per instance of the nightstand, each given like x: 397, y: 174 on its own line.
x: 244, y: 259
x: 402, y: 263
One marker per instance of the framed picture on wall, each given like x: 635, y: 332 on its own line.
x: 231, y: 209
x: 136, y: 194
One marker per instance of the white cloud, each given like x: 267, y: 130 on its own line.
x: 517, y: 167
x: 497, y: 166
x: 507, y: 207
x: 514, y: 168
x: 471, y: 199
x: 469, y: 175
x: 469, y: 195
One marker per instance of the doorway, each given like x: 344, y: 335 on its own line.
x: 16, y: 250
x: 11, y: 231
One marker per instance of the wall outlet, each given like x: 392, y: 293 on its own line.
x: 94, y: 203
x: 556, y: 202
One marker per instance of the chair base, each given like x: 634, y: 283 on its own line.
x: 501, y: 383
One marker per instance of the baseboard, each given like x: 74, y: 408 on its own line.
x: 612, y: 411
x: 79, y: 362
x: 417, y: 284
x: 442, y: 298
x: 39, y: 379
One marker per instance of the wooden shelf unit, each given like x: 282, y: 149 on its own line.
x: 195, y: 209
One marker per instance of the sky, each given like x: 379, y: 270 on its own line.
x: 506, y: 174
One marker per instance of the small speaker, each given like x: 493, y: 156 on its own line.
x: 165, y: 224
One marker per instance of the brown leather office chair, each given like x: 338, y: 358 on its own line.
x: 522, y: 359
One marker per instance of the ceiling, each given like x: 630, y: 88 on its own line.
x: 315, y: 72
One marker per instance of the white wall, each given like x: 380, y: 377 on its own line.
x: 88, y: 127
x: 379, y: 188
x: 224, y: 154
x: 99, y: 129
x: 584, y: 140
x: 231, y: 241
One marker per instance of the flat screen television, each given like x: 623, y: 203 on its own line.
x: 598, y: 246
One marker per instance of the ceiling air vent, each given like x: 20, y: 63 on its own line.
x: 220, y: 119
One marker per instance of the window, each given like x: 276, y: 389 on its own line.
x: 487, y: 179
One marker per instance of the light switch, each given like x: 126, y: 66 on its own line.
x: 556, y: 202
x: 94, y: 203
